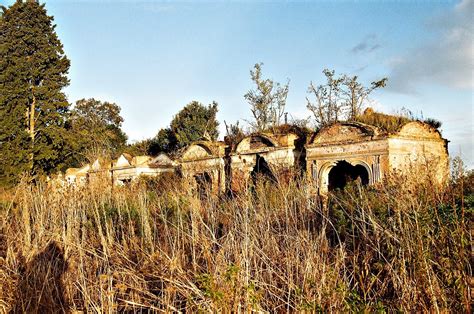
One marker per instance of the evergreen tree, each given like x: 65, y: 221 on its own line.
x: 164, y: 141
x: 33, y: 69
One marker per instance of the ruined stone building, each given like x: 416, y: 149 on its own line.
x: 77, y: 175
x: 204, y: 162
x: 264, y: 154
x: 356, y: 150
x: 128, y: 168
x: 329, y: 158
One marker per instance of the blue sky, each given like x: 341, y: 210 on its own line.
x: 153, y: 57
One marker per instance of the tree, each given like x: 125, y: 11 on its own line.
x: 164, y: 141
x: 340, y: 98
x: 96, y: 129
x: 33, y: 108
x: 234, y: 133
x: 327, y: 108
x: 194, y: 122
x: 139, y: 148
x: 267, y: 101
x: 355, y: 94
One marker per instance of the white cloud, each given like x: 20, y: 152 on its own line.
x: 446, y: 60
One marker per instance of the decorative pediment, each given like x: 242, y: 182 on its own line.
x: 96, y: 165
x: 344, y: 133
x: 420, y: 130
x: 125, y: 160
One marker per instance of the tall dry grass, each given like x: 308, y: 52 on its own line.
x: 159, y: 247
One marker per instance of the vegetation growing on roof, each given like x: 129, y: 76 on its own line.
x: 394, y: 122
x: 385, y: 122
x: 340, y: 98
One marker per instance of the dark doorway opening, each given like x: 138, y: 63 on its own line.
x: 344, y: 173
x: 126, y: 182
x: 262, y: 170
x: 204, y: 184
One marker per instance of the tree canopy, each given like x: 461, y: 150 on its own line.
x: 195, y: 122
x: 192, y: 123
x: 33, y: 108
x: 96, y: 129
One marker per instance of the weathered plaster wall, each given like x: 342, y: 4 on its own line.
x: 407, y: 155
x: 204, y: 158
x: 419, y: 145
x: 214, y: 167
x: 278, y: 151
x: 242, y: 165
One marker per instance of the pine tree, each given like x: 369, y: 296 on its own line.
x: 33, y: 69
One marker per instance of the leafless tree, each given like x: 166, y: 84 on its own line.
x: 340, y: 98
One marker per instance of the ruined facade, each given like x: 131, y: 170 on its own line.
x: 77, y: 176
x: 203, y: 163
x: 263, y: 154
x: 329, y: 158
x: 365, y: 152
x: 128, y: 168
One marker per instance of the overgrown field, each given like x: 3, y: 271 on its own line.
x: 159, y: 247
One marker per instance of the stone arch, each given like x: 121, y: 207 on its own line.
x: 343, y: 173
x: 254, y: 141
x: 365, y: 165
x: 197, y: 150
x: 358, y: 167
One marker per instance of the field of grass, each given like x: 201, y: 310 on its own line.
x: 403, y: 246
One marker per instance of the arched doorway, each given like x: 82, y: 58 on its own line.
x: 261, y: 170
x: 343, y: 173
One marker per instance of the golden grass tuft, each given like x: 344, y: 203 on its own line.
x: 159, y: 247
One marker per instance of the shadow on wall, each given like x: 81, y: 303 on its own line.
x: 40, y: 289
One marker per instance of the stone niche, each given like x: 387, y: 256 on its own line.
x: 344, y: 152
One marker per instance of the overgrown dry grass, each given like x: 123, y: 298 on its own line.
x: 402, y: 246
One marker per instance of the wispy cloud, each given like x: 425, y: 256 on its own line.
x: 447, y: 60
x: 368, y: 44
